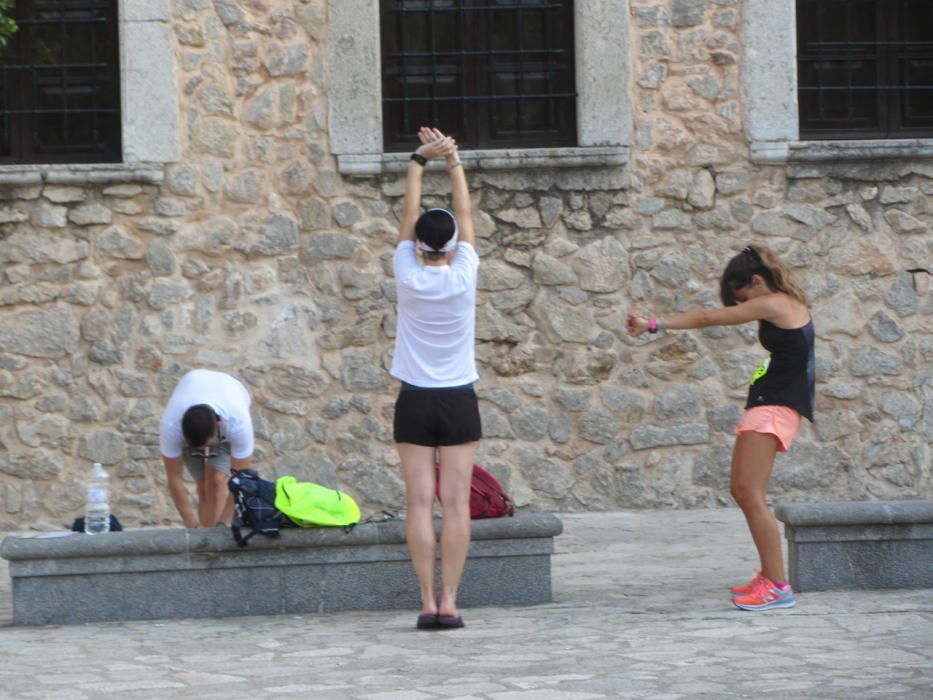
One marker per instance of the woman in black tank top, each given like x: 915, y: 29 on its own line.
x: 755, y: 286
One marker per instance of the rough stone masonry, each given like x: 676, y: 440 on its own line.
x: 254, y: 255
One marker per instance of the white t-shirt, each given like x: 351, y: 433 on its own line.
x: 436, y: 327
x: 229, y: 399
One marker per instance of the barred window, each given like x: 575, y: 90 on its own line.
x: 865, y: 68
x: 492, y: 73
x: 60, y: 83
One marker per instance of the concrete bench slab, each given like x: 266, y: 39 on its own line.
x: 859, y: 544
x: 164, y: 573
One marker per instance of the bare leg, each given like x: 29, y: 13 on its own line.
x: 752, y: 462
x: 203, y: 513
x: 418, y: 465
x: 215, y: 497
x: 227, y: 516
x: 456, y: 472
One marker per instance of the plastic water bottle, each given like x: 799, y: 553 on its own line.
x: 97, y: 513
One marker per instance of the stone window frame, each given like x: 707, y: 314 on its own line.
x: 604, y: 106
x: 769, y: 87
x: 148, y: 106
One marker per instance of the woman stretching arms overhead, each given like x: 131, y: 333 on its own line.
x: 436, y: 409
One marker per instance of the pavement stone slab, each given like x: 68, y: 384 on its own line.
x: 641, y: 610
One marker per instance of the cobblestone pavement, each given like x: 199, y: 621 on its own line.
x: 641, y: 611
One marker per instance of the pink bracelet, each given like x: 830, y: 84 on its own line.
x: 653, y: 324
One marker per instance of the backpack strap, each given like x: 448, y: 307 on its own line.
x: 236, y: 527
x: 238, y: 536
x: 236, y: 524
x: 385, y: 516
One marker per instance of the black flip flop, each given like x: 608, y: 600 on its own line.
x: 449, y: 622
x: 427, y: 622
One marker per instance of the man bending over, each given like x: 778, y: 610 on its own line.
x: 207, y: 428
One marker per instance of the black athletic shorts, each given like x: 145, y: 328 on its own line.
x: 436, y: 417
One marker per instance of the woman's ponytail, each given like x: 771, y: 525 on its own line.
x: 758, y: 260
x: 781, y: 277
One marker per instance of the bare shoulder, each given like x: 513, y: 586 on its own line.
x: 787, y: 311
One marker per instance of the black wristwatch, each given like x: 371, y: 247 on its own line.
x: 419, y: 159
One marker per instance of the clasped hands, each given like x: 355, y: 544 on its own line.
x: 434, y: 144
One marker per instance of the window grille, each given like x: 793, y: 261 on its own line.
x: 60, y: 83
x: 865, y: 68
x: 492, y: 73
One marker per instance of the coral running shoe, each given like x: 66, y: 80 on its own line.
x: 748, y: 587
x: 765, y: 597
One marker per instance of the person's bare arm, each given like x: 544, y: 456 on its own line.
x: 178, y: 491
x: 224, y: 512
x: 463, y: 209
x: 431, y: 147
x: 763, y: 308
x: 411, y: 206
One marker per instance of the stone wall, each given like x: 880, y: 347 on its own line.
x: 255, y: 256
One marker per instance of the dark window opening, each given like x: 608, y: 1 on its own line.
x: 492, y: 73
x: 865, y: 68
x: 60, y: 83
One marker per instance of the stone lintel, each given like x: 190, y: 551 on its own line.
x: 844, y: 150
x: 82, y: 174
x: 766, y: 152
x: 19, y: 178
x: 505, y: 159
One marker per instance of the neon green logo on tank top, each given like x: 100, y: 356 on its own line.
x: 761, y: 371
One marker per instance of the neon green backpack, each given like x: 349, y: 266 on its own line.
x: 312, y: 505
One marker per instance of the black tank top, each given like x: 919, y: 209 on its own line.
x: 788, y: 376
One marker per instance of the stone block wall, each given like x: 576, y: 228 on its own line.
x: 255, y: 256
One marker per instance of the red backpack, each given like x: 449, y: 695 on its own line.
x: 487, y: 497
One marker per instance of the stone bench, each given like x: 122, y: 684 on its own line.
x: 859, y: 544
x: 176, y: 573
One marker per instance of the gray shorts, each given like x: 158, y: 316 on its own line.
x: 216, y: 456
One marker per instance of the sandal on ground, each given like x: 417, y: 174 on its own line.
x: 427, y: 622
x: 449, y: 622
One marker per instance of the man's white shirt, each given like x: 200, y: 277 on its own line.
x: 223, y: 393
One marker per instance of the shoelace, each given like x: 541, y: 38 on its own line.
x: 763, y: 588
x: 754, y: 582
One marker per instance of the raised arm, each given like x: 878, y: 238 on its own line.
x: 432, y: 146
x: 463, y: 209
x: 761, y: 308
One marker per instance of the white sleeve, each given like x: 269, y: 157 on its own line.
x: 241, y: 441
x: 466, y: 263
x: 171, y: 440
x: 405, y: 260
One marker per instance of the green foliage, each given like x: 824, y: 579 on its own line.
x: 7, y: 25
